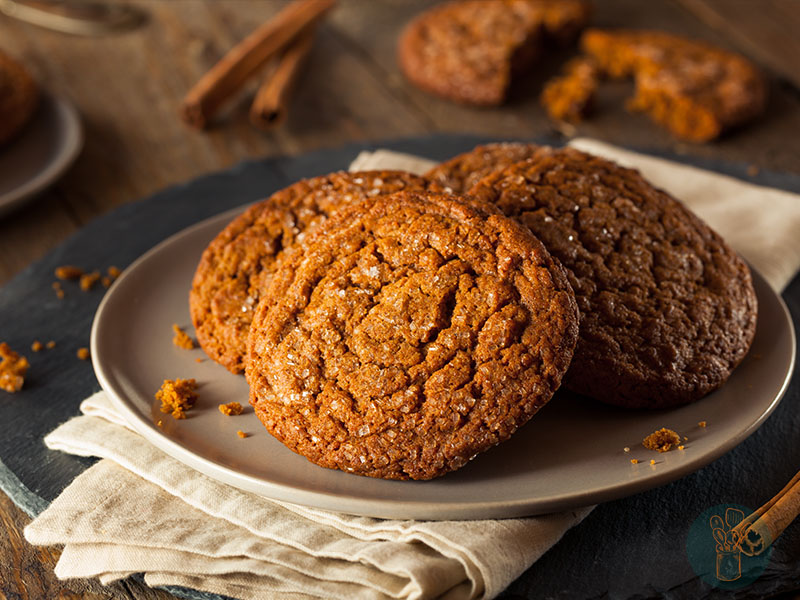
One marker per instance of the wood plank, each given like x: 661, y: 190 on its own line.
x: 765, y: 30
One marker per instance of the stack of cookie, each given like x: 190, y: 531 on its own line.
x: 396, y: 326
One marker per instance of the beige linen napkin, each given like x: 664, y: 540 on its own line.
x: 138, y: 510
x: 142, y: 511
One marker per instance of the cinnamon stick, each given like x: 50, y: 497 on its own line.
x: 758, y: 530
x: 270, y: 105
x: 243, y: 60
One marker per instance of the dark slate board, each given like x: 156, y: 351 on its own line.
x: 630, y: 548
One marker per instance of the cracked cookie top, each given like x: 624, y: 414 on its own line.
x: 460, y: 173
x: 408, y: 334
x: 239, y: 262
x: 668, y: 309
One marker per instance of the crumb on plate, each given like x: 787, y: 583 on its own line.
x: 231, y: 408
x: 177, y: 396
x: 661, y: 440
x: 182, y: 339
x: 242, y: 434
x: 83, y: 353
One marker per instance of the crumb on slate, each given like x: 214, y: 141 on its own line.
x: 12, y: 369
x: 66, y: 272
x: 88, y: 280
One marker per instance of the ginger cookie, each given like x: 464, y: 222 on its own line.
x: 469, y: 50
x: 408, y: 334
x: 668, y: 309
x: 696, y: 90
x: 19, y: 97
x: 238, y: 263
x: 460, y: 173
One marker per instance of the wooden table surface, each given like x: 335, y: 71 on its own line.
x: 127, y: 88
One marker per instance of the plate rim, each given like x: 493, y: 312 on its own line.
x: 67, y: 153
x: 405, y: 509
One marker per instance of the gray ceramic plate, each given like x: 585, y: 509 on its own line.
x: 571, y: 454
x: 41, y: 153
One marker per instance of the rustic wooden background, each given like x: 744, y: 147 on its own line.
x: 128, y: 87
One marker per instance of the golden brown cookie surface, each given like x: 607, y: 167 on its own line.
x: 461, y: 172
x: 411, y: 333
x: 668, y: 309
x: 468, y: 50
x: 19, y: 97
x: 238, y: 263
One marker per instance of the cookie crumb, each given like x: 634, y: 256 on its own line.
x: 685, y: 439
x: 198, y: 360
x: 634, y: 461
x: 231, y: 408
x: 242, y: 434
x: 626, y: 449
x: 59, y: 291
x: 681, y: 447
x: 50, y: 345
x: 661, y: 440
x: 88, y: 280
x: 177, y: 396
x: 83, y: 353
x: 12, y: 369
x: 37, y: 346
x: 182, y: 339
x: 652, y: 461
x: 106, y: 281
x: 68, y: 272
x: 702, y: 424
x: 160, y: 423
x: 113, y: 272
